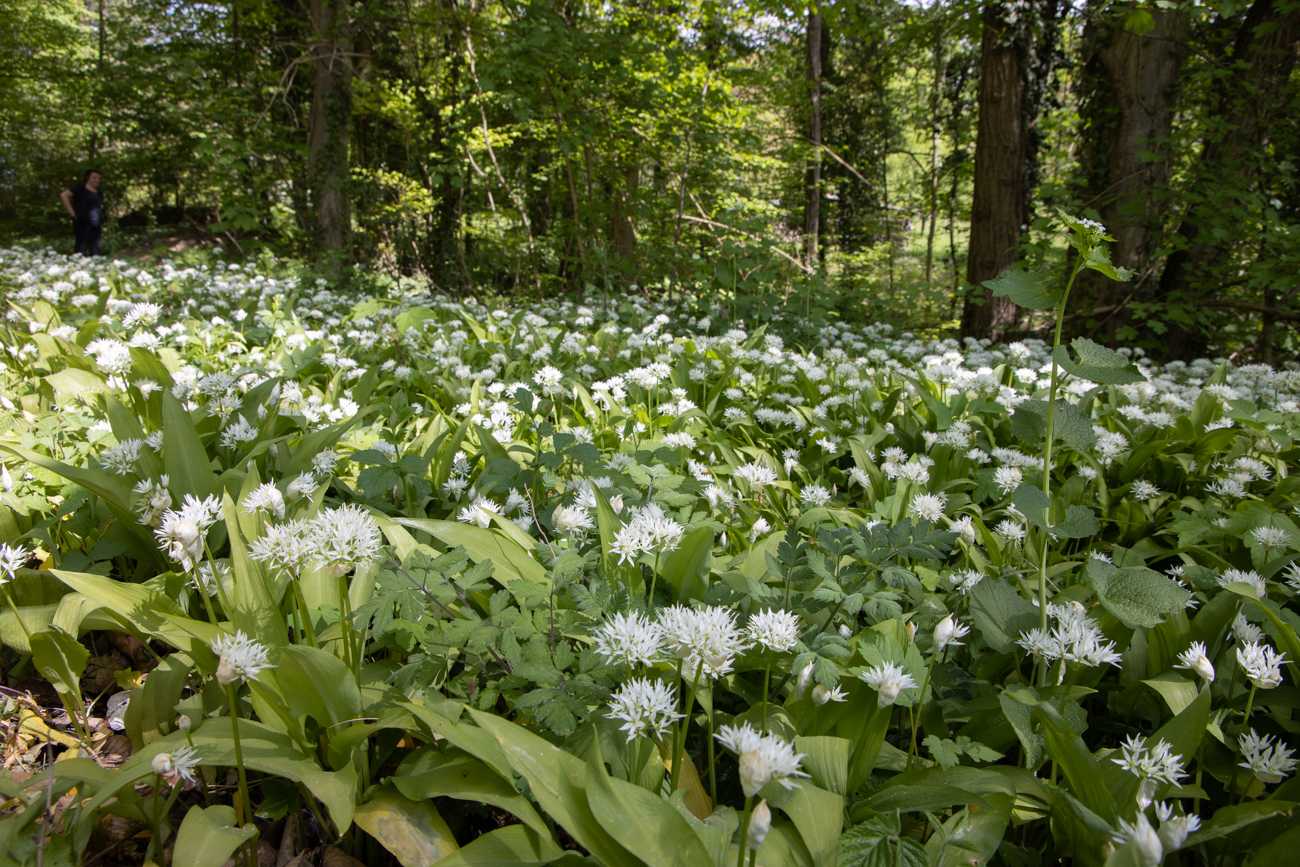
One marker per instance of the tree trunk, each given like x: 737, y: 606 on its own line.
x: 329, y: 127
x: 999, y: 213
x: 1131, y: 82
x: 813, y: 191
x: 622, y: 231
x: 1250, y: 98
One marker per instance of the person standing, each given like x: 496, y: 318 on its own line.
x: 85, y: 203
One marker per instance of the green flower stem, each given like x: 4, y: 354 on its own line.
x: 654, y: 578
x: 1047, y: 451
x: 920, y: 706
x: 767, y: 676
x: 1250, y: 701
x: 244, y: 803
x: 713, y: 776
x: 21, y: 625
x: 744, y: 830
x: 303, y: 613
x: 679, y: 745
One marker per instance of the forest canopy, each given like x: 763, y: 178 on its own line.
x: 867, y: 159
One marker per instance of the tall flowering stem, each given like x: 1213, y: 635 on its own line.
x: 1079, y: 264
x: 679, y: 743
x: 239, y: 755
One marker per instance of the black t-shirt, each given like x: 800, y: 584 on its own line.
x: 88, y: 205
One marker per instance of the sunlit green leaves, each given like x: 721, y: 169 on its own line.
x: 1097, y: 363
x: 1035, y: 290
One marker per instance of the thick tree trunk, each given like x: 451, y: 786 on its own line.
x: 999, y: 213
x: 1249, y: 100
x: 1128, y: 109
x: 329, y: 127
x: 813, y: 185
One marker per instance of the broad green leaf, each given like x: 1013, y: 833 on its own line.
x: 189, y: 470
x: 1020, y: 715
x: 412, y: 831
x: 1136, y: 595
x: 972, y: 835
x: 1177, y: 691
x: 1031, y: 289
x: 465, y: 779
x: 62, y: 660
x: 511, y: 560
x: 256, y: 612
x: 145, y: 610
x: 879, y: 842
x: 921, y: 797
x: 1233, y: 818
x: 76, y: 381
x: 318, y: 684
x: 37, y: 595
x: 558, y: 782
x: 658, y: 835
x: 264, y: 750
x: 1081, y: 771
x: 1001, y: 614
x: 687, y: 569
x: 817, y: 814
x: 513, y: 844
x: 208, y: 836
x: 826, y: 759
x: 1097, y: 363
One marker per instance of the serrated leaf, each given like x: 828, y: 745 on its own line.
x: 1079, y: 523
x: 1136, y: 595
x: 1097, y: 363
x: 1072, y: 425
x: 1031, y: 289
x: 878, y: 842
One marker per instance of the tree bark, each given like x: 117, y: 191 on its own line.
x: 329, y: 128
x: 999, y: 213
x: 1250, y: 97
x: 1127, y: 110
x: 813, y: 193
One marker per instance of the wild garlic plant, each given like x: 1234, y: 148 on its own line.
x: 690, y: 589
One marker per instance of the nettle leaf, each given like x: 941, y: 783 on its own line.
x: 1031, y: 289
x: 1136, y: 595
x: 1097, y: 363
x: 879, y: 842
x: 1072, y: 426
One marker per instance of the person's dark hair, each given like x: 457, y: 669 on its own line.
x: 90, y: 172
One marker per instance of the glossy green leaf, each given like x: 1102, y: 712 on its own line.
x: 659, y: 835
x: 412, y: 831
x: 208, y: 836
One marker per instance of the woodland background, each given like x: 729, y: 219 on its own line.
x: 866, y: 159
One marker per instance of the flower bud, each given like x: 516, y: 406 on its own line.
x: 820, y: 695
x: 911, y: 632
x: 760, y: 822
x: 226, y: 674
x: 6, y: 480
x: 1146, y: 843
x: 162, y: 764
x: 754, y: 773
x: 889, y: 693
x: 802, y: 681
x: 183, y: 723
x: 616, y: 503
x: 845, y: 632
